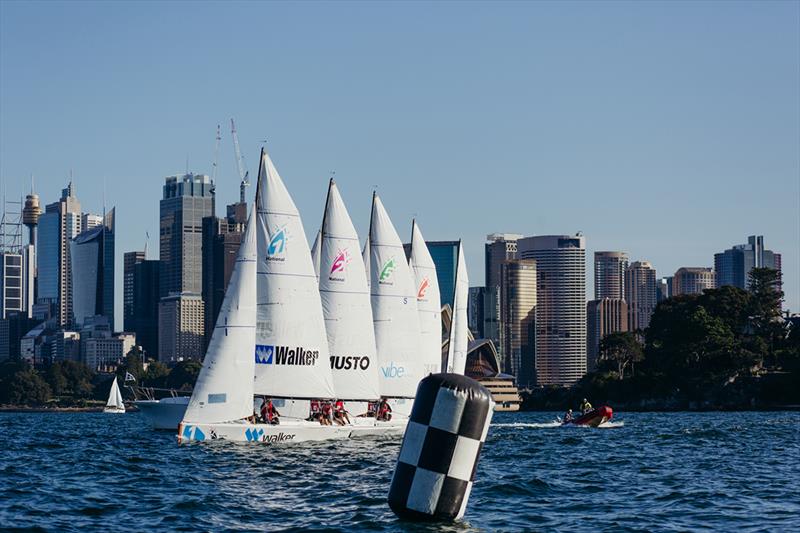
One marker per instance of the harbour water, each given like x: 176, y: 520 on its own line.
x: 653, y: 472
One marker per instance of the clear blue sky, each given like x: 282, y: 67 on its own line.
x: 668, y: 130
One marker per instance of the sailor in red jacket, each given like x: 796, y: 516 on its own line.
x: 340, y: 414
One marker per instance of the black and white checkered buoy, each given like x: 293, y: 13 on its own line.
x: 441, y: 446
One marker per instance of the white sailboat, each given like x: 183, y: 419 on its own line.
x: 459, y: 328
x: 394, y: 312
x: 114, y: 403
x: 272, y: 303
x: 429, y: 302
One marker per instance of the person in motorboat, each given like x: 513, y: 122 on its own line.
x: 585, y: 406
x: 268, y: 412
x: 340, y: 413
x: 327, y: 411
x: 384, y: 411
x: 568, y: 416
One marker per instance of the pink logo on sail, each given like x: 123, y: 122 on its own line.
x: 339, y: 262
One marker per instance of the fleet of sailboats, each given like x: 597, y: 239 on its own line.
x: 334, y: 322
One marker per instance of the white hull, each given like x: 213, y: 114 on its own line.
x: 369, y: 427
x: 166, y: 413
x: 115, y: 410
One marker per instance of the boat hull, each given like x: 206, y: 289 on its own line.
x: 166, y: 413
x: 369, y: 427
x: 593, y: 418
x: 266, y: 433
x: 115, y: 410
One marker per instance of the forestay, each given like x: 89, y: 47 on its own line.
x: 459, y: 327
x: 394, y: 308
x: 291, y: 359
x: 224, y: 388
x: 429, y: 304
x: 346, y: 304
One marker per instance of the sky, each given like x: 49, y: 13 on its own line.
x: 667, y: 130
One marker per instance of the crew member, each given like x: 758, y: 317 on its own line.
x: 269, y: 413
x: 384, y: 410
x: 340, y: 414
x: 585, y: 406
x: 325, y: 419
x: 316, y: 413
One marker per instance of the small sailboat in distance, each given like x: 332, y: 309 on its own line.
x: 114, y: 403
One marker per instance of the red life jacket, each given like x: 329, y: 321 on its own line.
x: 339, y: 406
x: 315, y: 406
x: 326, y: 408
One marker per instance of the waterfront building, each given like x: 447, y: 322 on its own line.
x: 92, y: 260
x: 221, y: 240
x: 693, y: 280
x: 603, y: 317
x: 499, y: 247
x: 60, y: 223
x: 733, y: 265
x: 475, y: 308
x: 101, y: 350
x: 186, y: 201
x: 518, y: 319
x: 609, y: 275
x: 640, y: 292
x: 17, y: 281
x: 180, y: 327
x: 129, y: 262
x: 663, y: 288
x: 146, y: 291
x: 560, y: 306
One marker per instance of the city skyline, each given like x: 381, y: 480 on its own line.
x: 699, y: 130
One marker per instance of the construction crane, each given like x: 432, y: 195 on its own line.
x: 243, y: 174
x: 216, y: 156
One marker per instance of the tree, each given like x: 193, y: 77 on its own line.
x: 765, y: 286
x: 25, y: 387
x: 184, y: 375
x: 622, y: 349
x: 156, y: 374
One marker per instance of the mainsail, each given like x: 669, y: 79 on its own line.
x: 459, y: 328
x: 224, y: 390
x: 346, y: 304
x: 291, y: 359
x: 315, y: 252
x: 394, y: 308
x: 115, y: 396
x: 429, y: 304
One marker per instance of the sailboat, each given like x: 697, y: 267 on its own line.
x: 272, y: 303
x: 459, y: 329
x: 429, y: 303
x: 114, y: 403
x: 394, y: 312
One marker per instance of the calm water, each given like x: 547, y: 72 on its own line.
x: 86, y: 471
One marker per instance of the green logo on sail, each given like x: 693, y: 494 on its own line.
x: 387, y: 270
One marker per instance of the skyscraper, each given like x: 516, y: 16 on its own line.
x: 500, y: 247
x: 92, y: 260
x: 693, y: 280
x: 144, y: 321
x: 130, y: 260
x: 186, y: 201
x: 733, y: 266
x: 475, y: 311
x: 560, y: 306
x: 603, y: 317
x: 609, y: 275
x: 518, y: 319
x: 663, y: 289
x: 640, y: 292
x: 60, y: 223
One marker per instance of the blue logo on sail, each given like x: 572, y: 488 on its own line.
x: 277, y: 243
x: 264, y: 354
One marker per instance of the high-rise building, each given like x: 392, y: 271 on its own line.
x: 518, y: 319
x: 475, y: 311
x: 186, y: 201
x: 603, y: 317
x: 100, y: 349
x: 145, y: 306
x: 560, y: 306
x: 12, y: 329
x: 640, y: 294
x: 663, y: 289
x: 89, y: 221
x: 130, y: 260
x: 733, y: 266
x: 609, y: 275
x: 499, y: 247
x: 221, y: 240
x: 17, y: 281
x: 180, y: 328
x: 60, y: 223
x: 693, y: 280
x: 92, y: 261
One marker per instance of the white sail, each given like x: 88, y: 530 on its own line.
x: 315, y: 253
x: 346, y: 305
x: 459, y: 328
x: 429, y: 303
x: 365, y: 256
x: 394, y: 308
x: 292, y: 359
x: 224, y: 388
x: 115, y: 396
